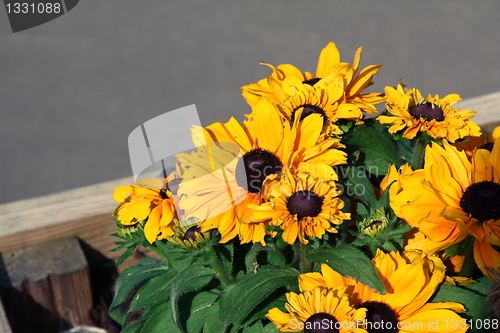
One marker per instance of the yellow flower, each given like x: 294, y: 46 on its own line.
x: 325, y: 98
x: 150, y: 199
x: 301, y: 205
x: 189, y: 236
x: 409, y: 284
x: 453, y: 197
x: 392, y: 177
x: 318, y: 310
x: 436, y: 117
x: 482, y: 142
x: 264, y: 144
x: 329, y: 65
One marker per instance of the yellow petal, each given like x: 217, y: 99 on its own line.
x: 328, y: 58
x: 122, y: 192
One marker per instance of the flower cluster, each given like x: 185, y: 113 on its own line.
x: 311, y: 215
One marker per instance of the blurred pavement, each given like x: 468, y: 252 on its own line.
x: 73, y: 89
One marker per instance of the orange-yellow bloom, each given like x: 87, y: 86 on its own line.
x: 453, y: 197
x: 410, y: 112
x: 410, y: 283
x: 329, y: 67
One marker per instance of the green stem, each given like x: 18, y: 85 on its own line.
x: 305, y: 265
x: 160, y: 253
x: 214, y: 260
x: 419, y: 153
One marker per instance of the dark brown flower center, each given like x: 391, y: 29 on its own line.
x: 304, y: 203
x: 308, y: 110
x: 380, y: 318
x: 258, y: 164
x: 427, y: 111
x: 312, y: 82
x: 482, y: 201
x: 375, y: 224
x: 173, y: 185
x: 191, y: 233
x: 130, y: 226
x: 487, y: 146
x: 321, y: 323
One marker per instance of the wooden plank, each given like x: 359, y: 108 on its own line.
x: 4, y: 323
x: 72, y: 205
x: 487, y: 108
x: 53, y: 281
x: 93, y: 230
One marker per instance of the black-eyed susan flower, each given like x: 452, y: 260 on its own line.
x: 375, y: 225
x: 302, y: 206
x: 325, y: 98
x: 482, y: 142
x: 318, y: 310
x: 151, y: 200
x: 410, y: 112
x: 189, y: 236
x: 415, y: 249
x: 329, y: 65
x: 453, y: 197
x: 410, y: 283
x: 219, y: 194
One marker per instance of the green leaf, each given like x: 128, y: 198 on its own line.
x: 155, y: 291
x: 475, y: 304
x: 191, y: 279
x: 265, y: 306
x: 226, y: 254
x: 264, y: 255
x: 125, y: 256
x: 160, y: 320
x: 362, y: 210
x: 383, y: 202
x: 242, y: 297
x: 358, y: 185
x: 405, y: 148
x: 376, y: 148
x: 351, y: 262
x: 200, y: 306
x: 453, y: 250
x: 482, y: 286
x: 388, y: 246
x: 212, y: 321
x: 135, y: 327
x: 119, y: 246
x: 131, y: 278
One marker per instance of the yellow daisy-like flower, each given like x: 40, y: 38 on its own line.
x: 150, y: 199
x: 432, y: 115
x: 325, y: 98
x: 482, y: 142
x: 353, y: 83
x: 301, y: 205
x: 416, y: 247
x: 404, y: 308
x: 189, y: 237
x: 265, y: 143
x: 392, y: 177
x: 318, y: 310
x: 453, y: 197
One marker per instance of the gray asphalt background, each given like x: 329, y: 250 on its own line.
x: 73, y: 89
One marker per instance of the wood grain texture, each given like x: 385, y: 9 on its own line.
x: 4, y: 323
x: 487, y: 108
